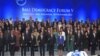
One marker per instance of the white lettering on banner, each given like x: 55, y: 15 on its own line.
x: 47, y: 11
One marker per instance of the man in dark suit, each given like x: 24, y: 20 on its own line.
x: 28, y: 38
x: 41, y: 40
x: 93, y: 42
x: 12, y: 41
x: 1, y: 44
x: 6, y: 38
x: 51, y: 40
x: 98, y: 36
x: 78, y: 40
x: 33, y: 43
x: 23, y: 44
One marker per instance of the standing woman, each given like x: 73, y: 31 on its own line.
x: 51, y: 40
x: 55, y: 35
x: 12, y: 43
x: 17, y: 35
x: 60, y: 41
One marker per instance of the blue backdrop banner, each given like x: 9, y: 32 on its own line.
x: 41, y: 9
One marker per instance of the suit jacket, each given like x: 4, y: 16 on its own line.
x: 98, y: 35
x: 41, y: 40
x: 51, y: 40
x: 33, y: 41
x: 27, y: 36
x: 93, y: 39
x: 78, y: 39
x: 1, y: 41
x: 23, y: 41
x: 12, y: 40
x: 6, y: 37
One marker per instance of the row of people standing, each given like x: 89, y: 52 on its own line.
x: 76, y: 35
x: 28, y: 40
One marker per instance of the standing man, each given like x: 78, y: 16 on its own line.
x: 23, y: 45
x: 1, y: 44
x: 33, y: 43
x: 6, y: 38
x: 93, y: 42
x: 98, y: 36
x: 78, y: 40
x: 51, y: 40
x: 27, y: 35
x: 41, y: 40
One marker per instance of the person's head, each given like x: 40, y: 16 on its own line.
x: 61, y: 29
x: 41, y: 33
x: 55, y: 30
x: 22, y: 34
x: 35, y: 30
x: 27, y: 28
x: 78, y: 31
x: 60, y: 33
x: 70, y: 32
x: 99, y: 27
x: 15, y: 28
x: 86, y: 33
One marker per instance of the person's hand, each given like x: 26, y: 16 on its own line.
x: 75, y: 43
x: 12, y: 43
x: 30, y: 41
x: 91, y: 43
x: 21, y: 44
x: 25, y: 44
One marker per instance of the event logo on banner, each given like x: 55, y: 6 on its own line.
x: 21, y: 2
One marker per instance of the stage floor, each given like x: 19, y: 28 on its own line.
x: 46, y: 54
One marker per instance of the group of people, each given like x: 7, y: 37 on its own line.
x: 59, y: 35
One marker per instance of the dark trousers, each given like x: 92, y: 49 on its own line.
x: 32, y: 50
x: 51, y: 50
x: 7, y: 47
x: 93, y: 48
x: 42, y: 50
x: 28, y: 47
x: 99, y: 45
x: 23, y: 50
x: 12, y: 50
x: 78, y: 46
x: 1, y: 51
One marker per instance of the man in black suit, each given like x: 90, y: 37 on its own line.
x: 23, y: 44
x: 33, y: 43
x: 98, y: 36
x: 6, y: 38
x: 93, y: 42
x: 28, y: 38
x: 1, y: 44
x: 78, y: 40
x: 12, y: 41
x: 51, y: 40
x: 41, y: 40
